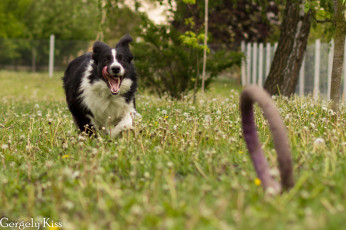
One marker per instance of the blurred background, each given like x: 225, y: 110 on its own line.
x: 168, y: 39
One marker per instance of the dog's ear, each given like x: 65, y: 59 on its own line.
x: 123, y: 47
x: 124, y: 41
x: 97, y: 50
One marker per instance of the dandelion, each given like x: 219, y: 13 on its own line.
x: 165, y: 117
x: 319, y: 142
x: 22, y: 137
x: 36, y: 106
x: 257, y: 182
x: 81, y: 138
x: 4, y: 146
x: 207, y: 118
x: 164, y: 112
x: 147, y: 175
x: 170, y: 164
x: 240, y: 152
x: 65, y: 156
x: 39, y: 113
x: 48, y: 164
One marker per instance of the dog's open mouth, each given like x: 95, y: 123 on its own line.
x: 114, y: 81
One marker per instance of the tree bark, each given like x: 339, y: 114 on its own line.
x: 289, y: 55
x: 339, y: 41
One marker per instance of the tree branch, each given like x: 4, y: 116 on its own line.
x: 320, y: 21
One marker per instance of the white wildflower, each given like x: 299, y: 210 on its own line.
x: 81, y: 138
x: 164, y: 112
x: 4, y: 146
x: 170, y: 164
x: 147, y: 175
x: 319, y: 142
x: 36, y: 106
x: 207, y: 118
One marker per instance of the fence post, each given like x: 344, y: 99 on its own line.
x: 302, y: 78
x: 275, y: 46
x: 33, y: 64
x: 51, y: 55
x: 345, y: 71
x: 243, y: 65
x: 267, y: 59
x: 254, y: 63
x: 248, y: 63
x: 260, y: 65
x: 330, y: 66
x: 317, y: 69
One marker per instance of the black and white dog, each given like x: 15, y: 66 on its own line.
x: 100, y: 88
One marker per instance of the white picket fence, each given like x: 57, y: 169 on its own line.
x: 315, y: 73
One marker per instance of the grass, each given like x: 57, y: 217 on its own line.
x: 184, y: 167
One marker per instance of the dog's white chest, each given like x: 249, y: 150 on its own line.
x: 108, y: 110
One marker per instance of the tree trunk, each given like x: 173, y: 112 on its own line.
x: 339, y: 40
x: 294, y: 32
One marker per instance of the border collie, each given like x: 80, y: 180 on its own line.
x: 100, y: 89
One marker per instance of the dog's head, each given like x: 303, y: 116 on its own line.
x: 112, y: 64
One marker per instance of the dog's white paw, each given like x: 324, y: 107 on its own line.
x: 124, y: 124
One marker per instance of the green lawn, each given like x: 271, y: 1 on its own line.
x: 184, y: 167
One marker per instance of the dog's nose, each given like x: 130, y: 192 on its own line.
x: 115, y: 69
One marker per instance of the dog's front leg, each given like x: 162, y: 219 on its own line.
x: 124, y: 124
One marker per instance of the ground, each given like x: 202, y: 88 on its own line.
x: 185, y: 166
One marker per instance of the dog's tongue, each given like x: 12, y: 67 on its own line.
x: 104, y: 72
x: 114, y: 82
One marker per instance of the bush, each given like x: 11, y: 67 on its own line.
x: 166, y: 66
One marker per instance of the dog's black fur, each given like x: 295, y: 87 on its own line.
x: 84, y: 81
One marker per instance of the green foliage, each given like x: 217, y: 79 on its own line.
x: 189, y: 1
x: 12, y: 18
x: 323, y: 10
x: 223, y: 60
x: 194, y: 41
x: 166, y: 60
x: 163, y: 64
